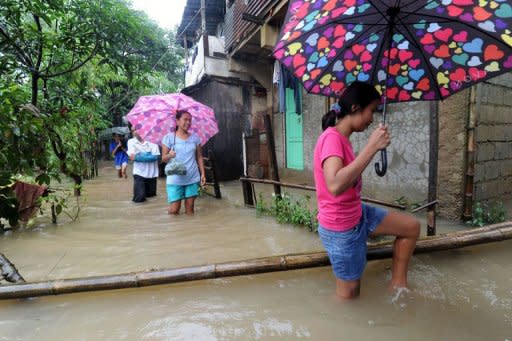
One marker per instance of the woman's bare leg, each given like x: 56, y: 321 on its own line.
x: 348, y: 289
x: 406, y: 228
x: 174, y: 207
x: 189, y: 205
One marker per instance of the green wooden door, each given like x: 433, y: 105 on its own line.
x: 294, y: 141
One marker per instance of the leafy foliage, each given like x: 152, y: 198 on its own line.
x: 68, y: 69
x: 488, y: 213
x: 404, y: 201
x: 288, y: 211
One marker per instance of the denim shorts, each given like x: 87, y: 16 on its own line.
x: 347, y: 249
x: 179, y: 192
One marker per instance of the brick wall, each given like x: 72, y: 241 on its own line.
x: 493, y: 168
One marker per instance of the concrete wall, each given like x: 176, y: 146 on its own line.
x: 210, y: 65
x: 493, y: 168
x: 407, y: 174
x: 453, y: 121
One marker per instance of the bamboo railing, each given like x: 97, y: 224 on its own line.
x: 491, y: 233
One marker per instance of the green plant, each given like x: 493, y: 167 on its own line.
x: 488, y: 213
x: 287, y: 211
x: 404, y: 201
x: 260, y: 206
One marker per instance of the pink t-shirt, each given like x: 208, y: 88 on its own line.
x: 341, y: 212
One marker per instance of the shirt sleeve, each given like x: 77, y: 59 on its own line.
x: 198, y: 140
x: 130, y: 149
x: 332, y: 146
x: 155, y: 150
x: 112, y: 146
x: 166, y: 141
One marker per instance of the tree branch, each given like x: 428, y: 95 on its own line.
x: 39, y: 42
x: 25, y: 59
x: 77, y: 66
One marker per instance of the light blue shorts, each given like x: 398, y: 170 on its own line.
x: 179, y: 192
x: 347, y: 249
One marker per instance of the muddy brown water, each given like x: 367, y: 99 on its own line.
x: 465, y: 293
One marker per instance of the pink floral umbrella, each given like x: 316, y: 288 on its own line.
x: 155, y: 116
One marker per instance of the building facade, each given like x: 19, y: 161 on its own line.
x: 474, y: 161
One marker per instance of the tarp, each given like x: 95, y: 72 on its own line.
x: 106, y: 134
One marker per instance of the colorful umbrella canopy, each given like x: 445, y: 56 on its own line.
x: 155, y: 116
x: 420, y: 49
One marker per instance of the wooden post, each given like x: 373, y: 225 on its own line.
x: 54, y: 214
x: 474, y: 108
x: 246, y: 185
x: 248, y: 193
x: 216, y: 187
x: 272, y: 152
x: 433, y: 159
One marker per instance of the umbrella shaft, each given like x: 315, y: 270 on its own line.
x: 388, y: 62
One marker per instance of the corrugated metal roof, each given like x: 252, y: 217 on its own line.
x: 191, y: 19
x: 236, y: 28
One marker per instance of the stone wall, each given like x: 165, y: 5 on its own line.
x: 407, y: 174
x: 493, y: 168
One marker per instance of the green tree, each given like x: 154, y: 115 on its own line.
x: 80, y: 64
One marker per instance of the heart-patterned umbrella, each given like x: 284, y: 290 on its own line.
x: 410, y: 50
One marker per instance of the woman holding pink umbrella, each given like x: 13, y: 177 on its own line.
x: 185, y: 147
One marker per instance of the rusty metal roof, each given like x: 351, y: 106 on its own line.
x: 191, y: 19
x: 238, y: 28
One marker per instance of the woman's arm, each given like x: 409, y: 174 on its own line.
x: 200, y: 164
x: 113, y: 151
x: 167, y: 154
x: 339, y: 178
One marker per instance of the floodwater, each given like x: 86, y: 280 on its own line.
x: 464, y: 294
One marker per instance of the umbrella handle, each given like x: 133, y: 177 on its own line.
x: 384, y: 160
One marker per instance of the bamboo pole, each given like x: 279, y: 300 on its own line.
x: 491, y: 233
x: 244, y: 179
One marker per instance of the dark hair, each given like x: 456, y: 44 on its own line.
x: 180, y: 113
x: 357, y: 94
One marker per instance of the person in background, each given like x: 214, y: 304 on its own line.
x: 185, y: 146
x: 344, y: 221
x: 145, y: 156
x: 118, y: 151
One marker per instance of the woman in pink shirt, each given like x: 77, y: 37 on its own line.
x: 345, y: 222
